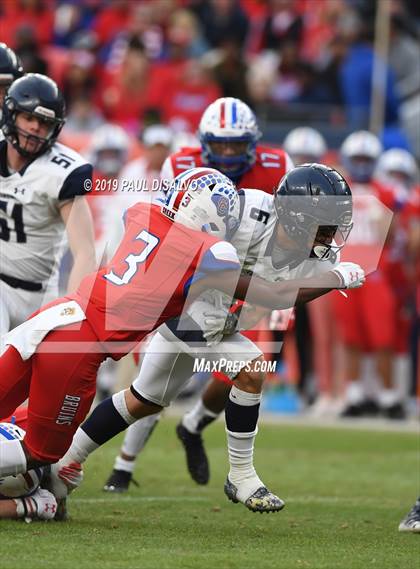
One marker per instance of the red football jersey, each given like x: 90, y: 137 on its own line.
x: 270, y: 166
x: 147, y: 280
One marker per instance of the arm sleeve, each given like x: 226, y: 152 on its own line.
x: 74, y: 184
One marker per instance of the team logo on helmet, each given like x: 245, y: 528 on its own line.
x: 222, y: 204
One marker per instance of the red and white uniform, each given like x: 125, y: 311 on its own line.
x: 367, y: 318
x: 144, y: 284
x: 270, y: 166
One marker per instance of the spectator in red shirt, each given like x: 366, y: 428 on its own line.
x: 183, y: 100
x: 123, y: 93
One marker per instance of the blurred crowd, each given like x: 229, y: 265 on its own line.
x: 138, y: 75
x: 133, y: 62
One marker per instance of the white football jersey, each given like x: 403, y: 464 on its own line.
x: 31, y: 228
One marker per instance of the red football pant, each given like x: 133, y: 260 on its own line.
x: 60, y: 388
x: 367, y: 318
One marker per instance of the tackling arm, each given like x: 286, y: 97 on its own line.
x: 282, y: 294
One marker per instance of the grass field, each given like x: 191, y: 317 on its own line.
x: 345, y: 493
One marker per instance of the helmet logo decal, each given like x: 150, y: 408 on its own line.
x: 221, y: 203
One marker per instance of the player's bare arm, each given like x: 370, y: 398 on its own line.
x: 78, y: 220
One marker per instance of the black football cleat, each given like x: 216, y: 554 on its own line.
x: 119, y: 481
x: 61, y: 514
x: 396, y: 411
x: 197, y: 462
x: 353, y: 410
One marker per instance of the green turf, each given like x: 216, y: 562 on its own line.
x: 345, y: 492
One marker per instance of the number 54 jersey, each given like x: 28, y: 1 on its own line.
x: 31, y: 228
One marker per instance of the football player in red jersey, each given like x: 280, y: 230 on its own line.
x: 367, y: 322
x: 229, y: 135
x: 167, y: 252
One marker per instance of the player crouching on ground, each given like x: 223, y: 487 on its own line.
x: 22, y: 496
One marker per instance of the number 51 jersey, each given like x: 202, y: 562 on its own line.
x: 31, y: 228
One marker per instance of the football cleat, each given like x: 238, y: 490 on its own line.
x: 119, y: 481
x: 353, y: 410
x: 262, y: 500
x: 62, y: 514
x: 396, y: 411
x: 411, y: 523
x: 197, y: 462
x: 63, y: 479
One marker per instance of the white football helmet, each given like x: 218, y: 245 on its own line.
x: 203, y: 199
x: 108, y: 149
x: 305, y: 145
x: 397, y: 164
x: 359, y: 153
x: 19, y: 485
x: 229, y: 120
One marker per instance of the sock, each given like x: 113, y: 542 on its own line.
x: 388, y: 397
x: 108, y: 419
x: 81, y: 447
x: 241, y: 415
x: 12, y: 458
x: 138, y: 434
x: 125, y: 465
x: 354, y: 392
x: 198, y: 418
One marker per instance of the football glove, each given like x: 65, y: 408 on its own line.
x: 41, y: 505
x: 351, y: 274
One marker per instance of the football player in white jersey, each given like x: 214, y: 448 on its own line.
x: 295, y: 234
x: 22, y: 496
x: 42, y: 184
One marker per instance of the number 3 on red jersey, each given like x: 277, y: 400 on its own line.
x: 133, y: 261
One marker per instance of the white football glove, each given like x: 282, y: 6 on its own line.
x: 351, y: 274
x: 41, y: 505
